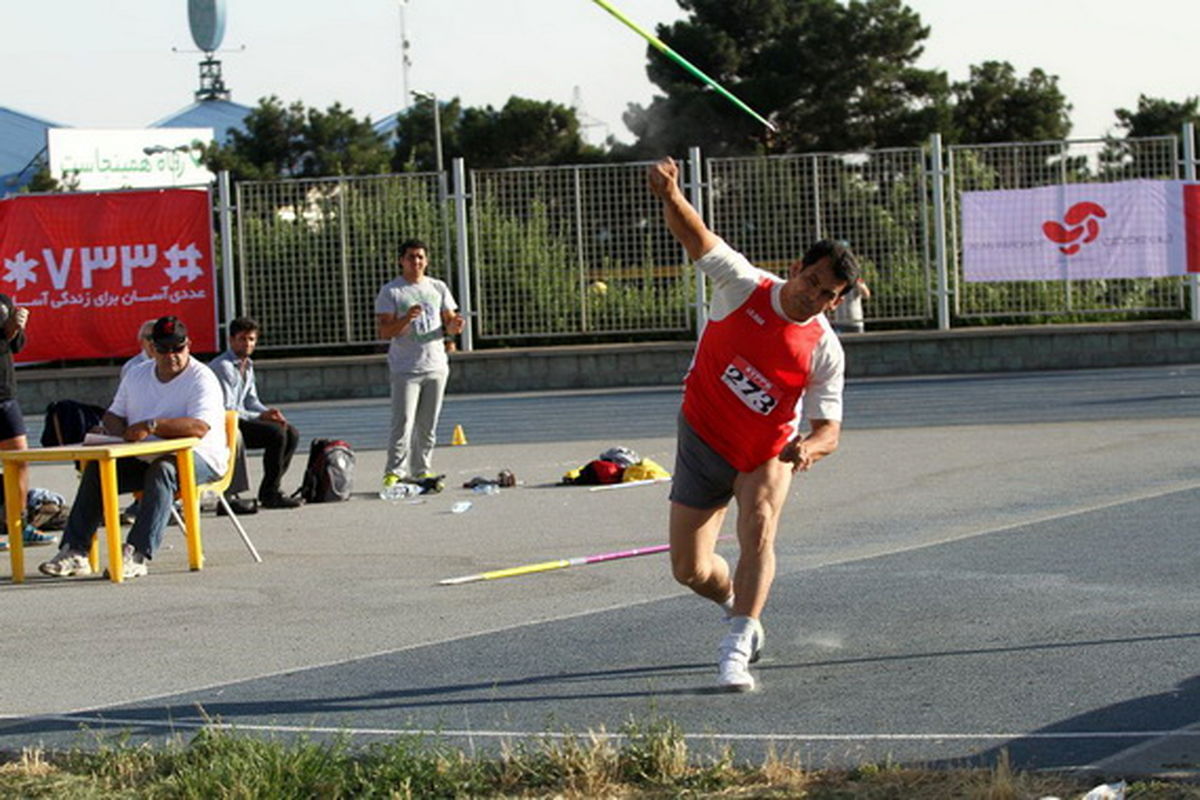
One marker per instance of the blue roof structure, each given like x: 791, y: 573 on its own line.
x: 22, y: 139
x: 220, y: 115
x: 387, y: 126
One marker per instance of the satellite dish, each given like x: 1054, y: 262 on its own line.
x: 207, y: 21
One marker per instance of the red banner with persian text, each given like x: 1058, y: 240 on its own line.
x: 92, y: 267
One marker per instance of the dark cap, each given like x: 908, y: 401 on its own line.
x: 169, y: 332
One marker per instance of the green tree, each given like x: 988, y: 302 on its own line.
x: 521, y: 134
x: 43, y: 181
x: 1141, y: 152
x: 1156, y: 116
x: 994, y: 105
x: 413, y: 148
x: 831, y: 76
x: 525, y: 133
x: 297, y: 142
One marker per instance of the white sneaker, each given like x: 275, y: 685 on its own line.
x: 133, y: 564
x: 760, y: 640
x: 66, y: 564
x: 739, y: 649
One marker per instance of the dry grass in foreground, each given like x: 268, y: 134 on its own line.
x: 645, y: 761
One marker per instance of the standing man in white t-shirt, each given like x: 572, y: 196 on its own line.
x: 767, y: 358
x: 172, y: 398
x: 416, y: 313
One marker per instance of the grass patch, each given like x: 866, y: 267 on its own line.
x: 646, y: 760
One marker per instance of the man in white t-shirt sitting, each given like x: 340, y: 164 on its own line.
x: 173, y: 397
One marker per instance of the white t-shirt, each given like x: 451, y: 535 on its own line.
x: 139, y: 359
x: 734, y: 279
x: 195, y: 392
x: 422, y: 347
x: 851, y: 310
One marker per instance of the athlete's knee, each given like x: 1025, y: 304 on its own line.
x: 691, y: 571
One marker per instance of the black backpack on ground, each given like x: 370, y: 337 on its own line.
x: 68, y: 420
x: 329, y: 474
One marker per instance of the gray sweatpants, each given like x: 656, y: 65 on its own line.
x: 416, y: 406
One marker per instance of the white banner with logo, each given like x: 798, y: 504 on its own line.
x: 90, y: 159
x: 1131, y: 229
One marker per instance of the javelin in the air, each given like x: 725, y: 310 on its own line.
x: 666, y: 50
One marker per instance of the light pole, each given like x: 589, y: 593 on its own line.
x: 437, y: 156
x: 437, y: 125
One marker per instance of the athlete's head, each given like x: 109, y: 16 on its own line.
x: 844, y: 264
x: 817, y: 282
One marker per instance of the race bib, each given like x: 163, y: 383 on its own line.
x: 425, y: 327
x: 750, y: 386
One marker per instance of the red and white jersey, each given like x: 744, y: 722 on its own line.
x: 756, y: 372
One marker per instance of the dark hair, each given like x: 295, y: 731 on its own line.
x: 242, y: 325
x: 845, y: 264
x: 412, y: 244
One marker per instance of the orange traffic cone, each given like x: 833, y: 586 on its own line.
x: 459, y: 437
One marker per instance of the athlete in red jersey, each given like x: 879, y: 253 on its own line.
x: 767, y: 359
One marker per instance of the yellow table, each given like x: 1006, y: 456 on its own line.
x: 106, y: 455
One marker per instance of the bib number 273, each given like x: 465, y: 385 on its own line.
x: 750, y: 386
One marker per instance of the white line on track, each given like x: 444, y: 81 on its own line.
x: 177, y: 724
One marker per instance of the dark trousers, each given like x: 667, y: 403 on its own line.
x: 278, y: 443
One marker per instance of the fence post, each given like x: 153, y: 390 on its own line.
x: 580, y: 258
x: 344, y: 240
x: 695, y: 187
x: 226, y: 218
x: 460, y: 249
x: 937, y: 172
x: 1189, y: 174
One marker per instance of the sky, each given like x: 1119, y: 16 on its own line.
x: 129, y: 63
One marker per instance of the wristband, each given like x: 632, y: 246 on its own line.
x: 152, y: 426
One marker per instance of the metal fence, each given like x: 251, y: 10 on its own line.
x: 573, y: 251
x: 313, y: 254
x: 771, y: 209
x: 561, y: 253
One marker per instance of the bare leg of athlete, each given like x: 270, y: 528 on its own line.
x: 760, y: 497
x: 695, y: 563
x: 694, y: 560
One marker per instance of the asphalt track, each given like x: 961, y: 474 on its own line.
x: 994, y: 562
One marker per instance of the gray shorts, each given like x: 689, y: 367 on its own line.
x: 703, y: 478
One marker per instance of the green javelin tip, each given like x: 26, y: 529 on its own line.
x: 666, y: 50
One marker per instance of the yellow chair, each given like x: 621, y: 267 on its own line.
x: 219, y: 486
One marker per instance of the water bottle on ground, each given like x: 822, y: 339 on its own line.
x: 460, y: 507
x: 399, y: 491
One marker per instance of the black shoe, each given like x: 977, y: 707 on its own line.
x: 281, y: 501
x: 430, y: 484
x: 239, y: 506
